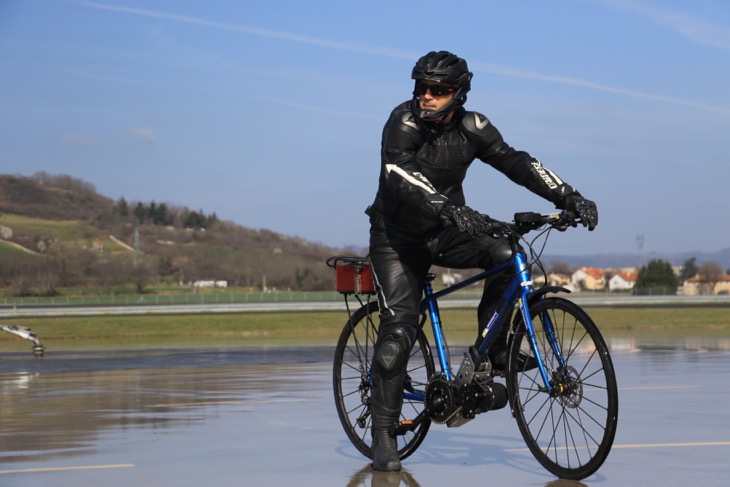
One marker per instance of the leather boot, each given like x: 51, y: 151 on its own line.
x: 389, y: 374
x: 385, y: 414
x: 385, y: 451
x: 385, y: 406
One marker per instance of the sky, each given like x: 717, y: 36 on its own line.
x: 269, y: 114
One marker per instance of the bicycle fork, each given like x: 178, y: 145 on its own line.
x: 524, y: 301
x: 532, y: 339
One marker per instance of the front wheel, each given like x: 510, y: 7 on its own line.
x: 570, y: 430
x: 352, y: 382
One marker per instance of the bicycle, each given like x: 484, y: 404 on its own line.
x: 560, y: 381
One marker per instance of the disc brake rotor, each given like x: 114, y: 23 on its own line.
x: 570, y: 387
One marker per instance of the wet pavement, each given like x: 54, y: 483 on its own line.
x: 266, y: 417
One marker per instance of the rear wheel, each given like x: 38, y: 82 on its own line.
x: 353, y: 383
x: 571, y: 430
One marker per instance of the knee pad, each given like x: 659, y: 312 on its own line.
x: 393, y: 348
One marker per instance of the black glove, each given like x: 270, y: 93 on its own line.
x: 466, y: 219
x: 585, y: 209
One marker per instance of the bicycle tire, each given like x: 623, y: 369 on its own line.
x: 352, y: 381
x: 571, y: 431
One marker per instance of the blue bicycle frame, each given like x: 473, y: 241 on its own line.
x: 569, y: 431
x: 519, y: 290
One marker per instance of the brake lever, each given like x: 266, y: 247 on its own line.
x: 566, y: 219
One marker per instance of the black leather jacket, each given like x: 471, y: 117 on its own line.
x: 424, y: 166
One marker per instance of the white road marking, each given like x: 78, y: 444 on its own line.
x: 66, y: 469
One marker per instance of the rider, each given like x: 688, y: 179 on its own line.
x: 419, y: 218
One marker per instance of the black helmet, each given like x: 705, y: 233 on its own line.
x: 442, y: 67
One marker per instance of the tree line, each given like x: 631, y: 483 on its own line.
x: 658, y: 276
x: 174, y: 245
x: 163, y: 215
x: 164, y: 245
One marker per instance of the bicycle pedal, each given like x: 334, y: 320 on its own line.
x: 405, y: 426
x: 484, y: 368
x: 482, y: 365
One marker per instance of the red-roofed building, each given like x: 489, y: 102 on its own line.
x: 623, y: 281
x: 589, y: 278
x: 701, y: 284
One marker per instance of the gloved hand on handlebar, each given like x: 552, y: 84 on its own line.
x: 469, y: 221
x: 585, y: 209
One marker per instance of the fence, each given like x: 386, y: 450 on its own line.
x: 190, y: 298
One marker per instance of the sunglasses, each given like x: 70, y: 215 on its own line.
x: 436, y: 90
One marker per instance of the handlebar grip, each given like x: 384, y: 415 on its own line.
x: 529, y: 220
x: 529, y: 217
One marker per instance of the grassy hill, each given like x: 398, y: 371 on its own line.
x: 64, y: 235
x: 58, y: 228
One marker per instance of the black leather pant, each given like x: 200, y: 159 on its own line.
x: 401, y: 262
x: 400, y: 265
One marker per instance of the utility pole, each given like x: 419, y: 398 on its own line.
x: 640, y: 244
x: 136, y: 245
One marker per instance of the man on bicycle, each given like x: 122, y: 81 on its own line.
x: 419, y: 218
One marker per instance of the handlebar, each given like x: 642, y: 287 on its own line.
x: 525, y: 222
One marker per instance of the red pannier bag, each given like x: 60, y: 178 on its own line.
x: 353, y: 274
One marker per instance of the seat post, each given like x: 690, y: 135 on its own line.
x: 428, y: 288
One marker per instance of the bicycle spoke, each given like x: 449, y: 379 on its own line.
x: 352, y: 387
x: 570, y: 431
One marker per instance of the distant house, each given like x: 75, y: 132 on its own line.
x: 204, y: 283
x: 623, y: 281
x: 703, y: 285
x: 210, y: 283
x: 589, y: 278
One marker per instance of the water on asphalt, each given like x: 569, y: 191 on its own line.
x: 265, y: 416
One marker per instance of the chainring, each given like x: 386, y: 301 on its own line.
x: 440, y: 401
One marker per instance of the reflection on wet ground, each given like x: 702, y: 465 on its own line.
x: 58, y: 406
x: 265, y: 416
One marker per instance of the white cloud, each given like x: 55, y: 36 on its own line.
x: 317, y: 41
x: 568, y: 80
x: 145, y: 135
x: 79, y: 140
x: 677, y: 21
x: 690, y: 26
